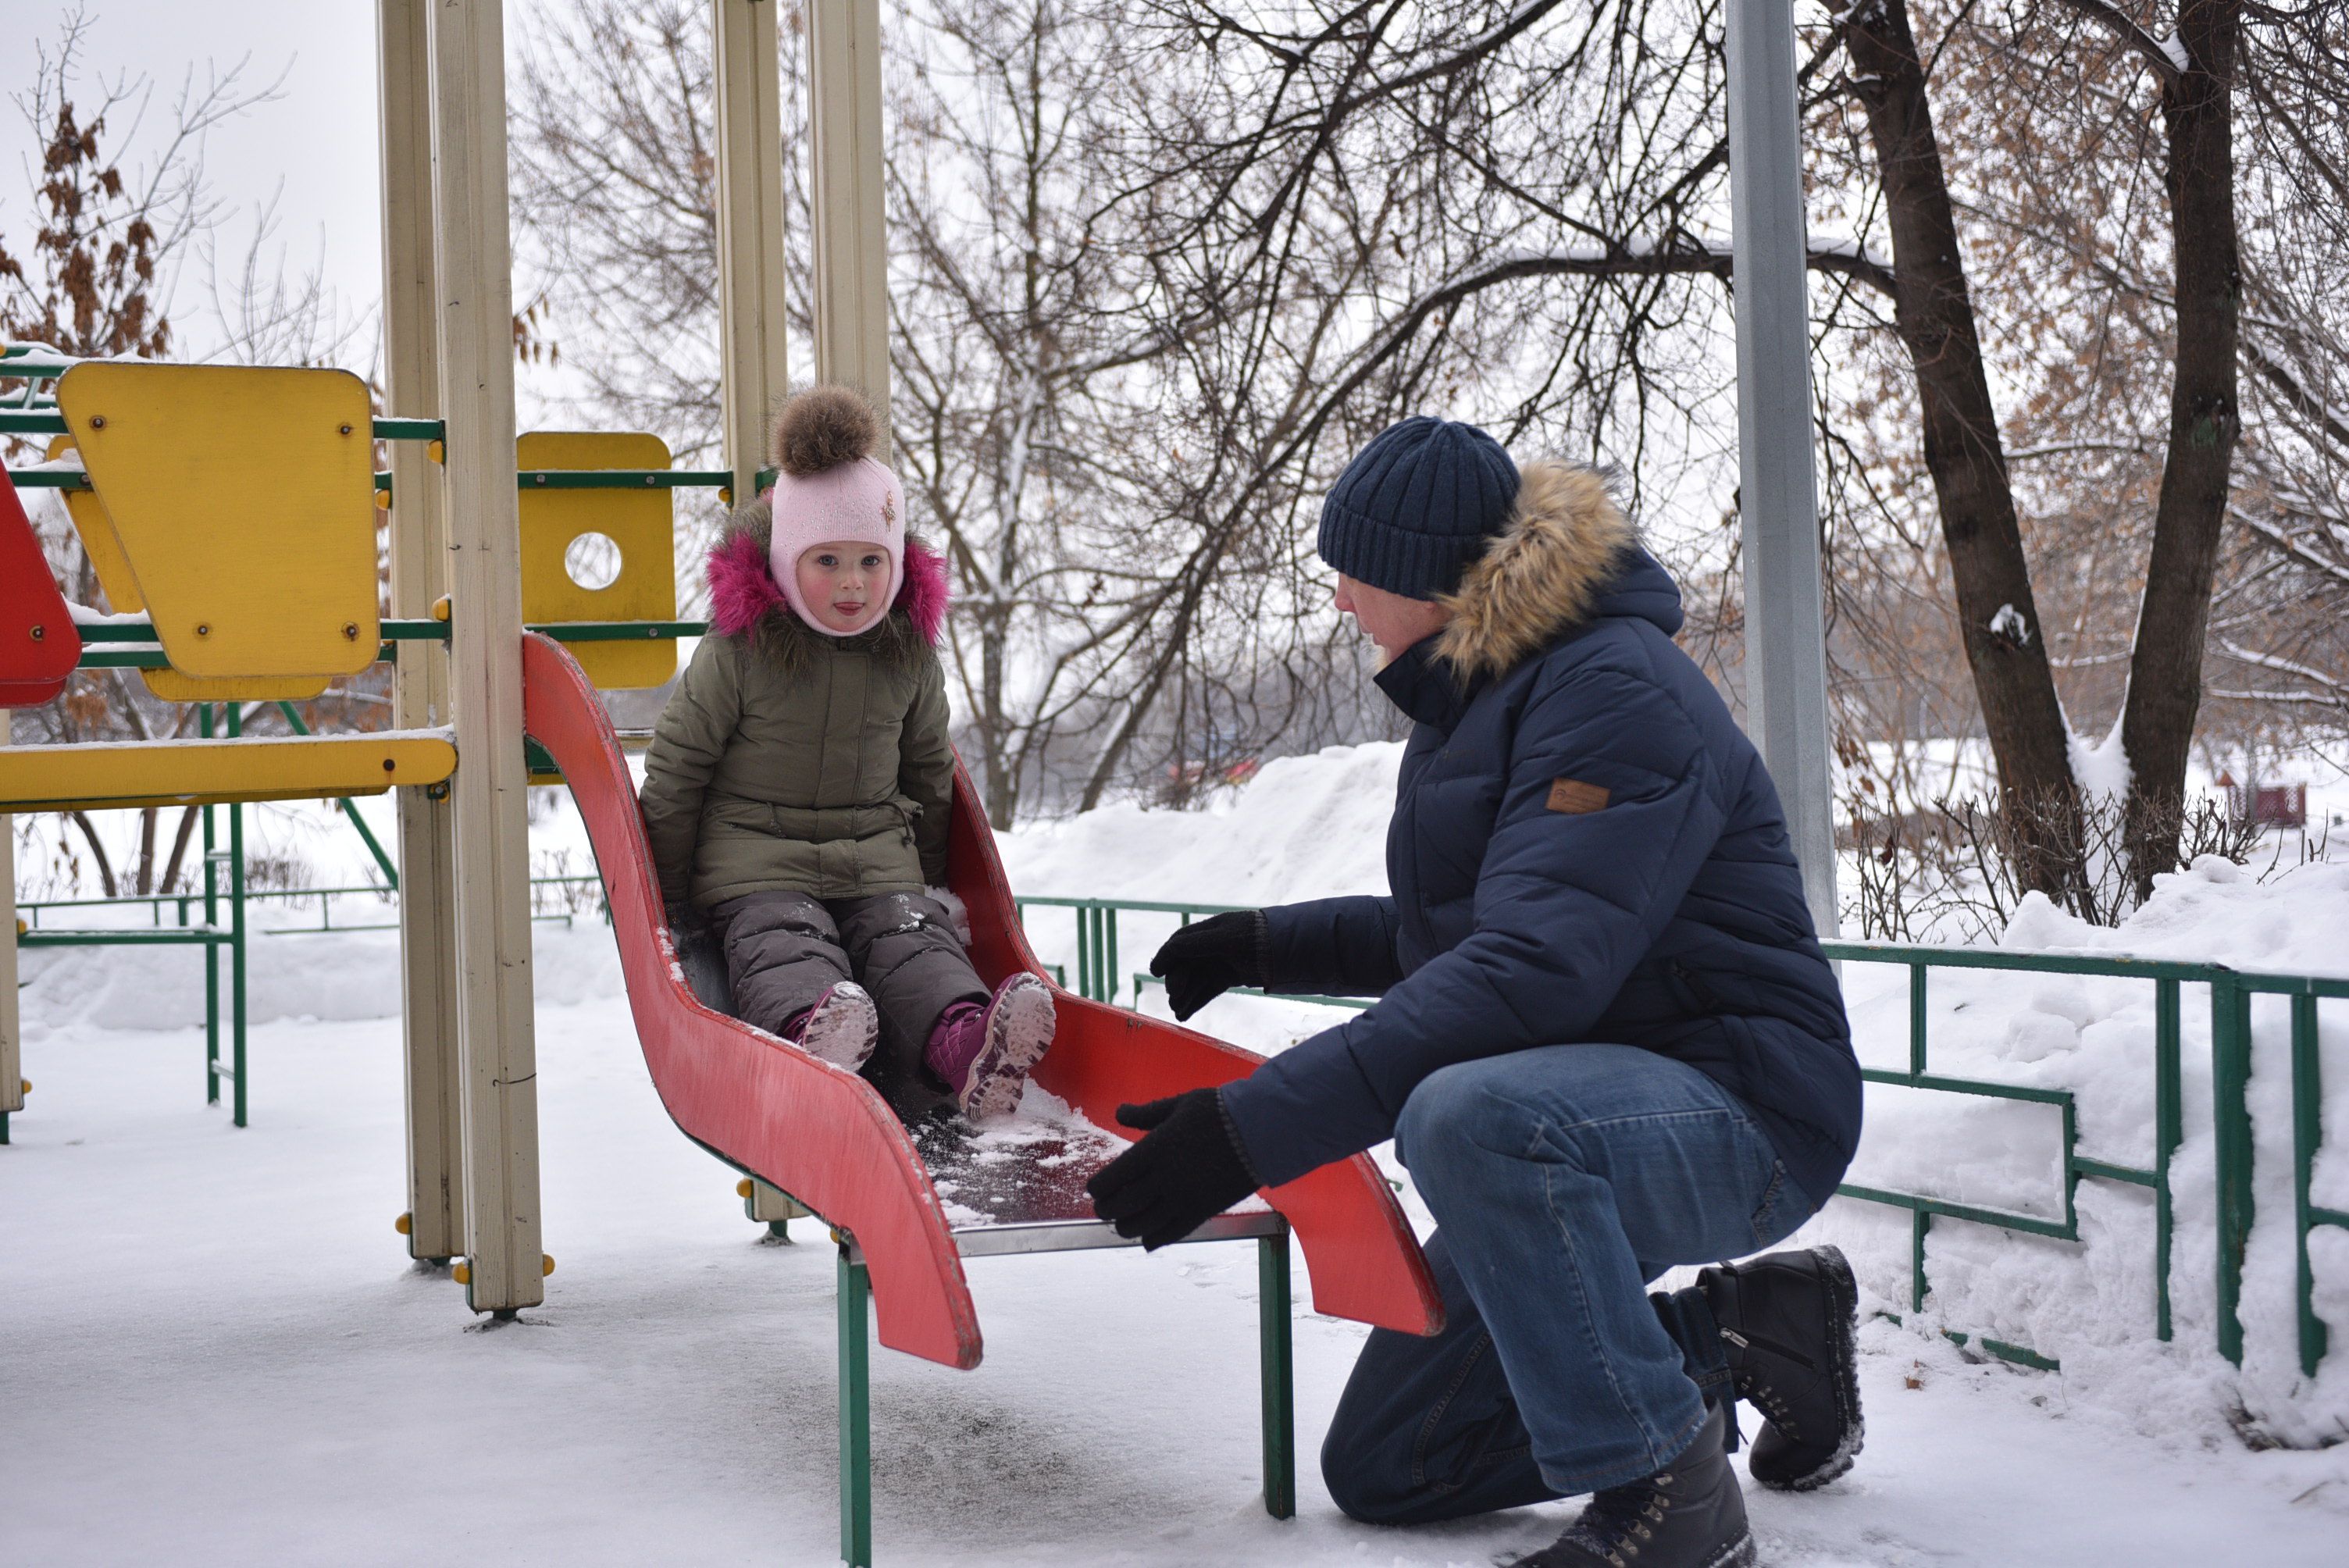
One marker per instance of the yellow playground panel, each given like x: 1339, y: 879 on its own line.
x: 638, y: 521
x: 104, y: 548
x: 241, y: 502
x: 105, y: 775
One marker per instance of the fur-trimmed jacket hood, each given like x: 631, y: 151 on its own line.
x: 1566, y: 555
x: 745, y: 600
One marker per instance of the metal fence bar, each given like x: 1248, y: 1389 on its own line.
x: 2231, y: 1074
x: 2168, y: 1132
x: 2307, y: 1131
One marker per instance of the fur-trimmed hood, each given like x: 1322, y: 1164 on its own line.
x: 746, y: 600
x: 1566, y: 555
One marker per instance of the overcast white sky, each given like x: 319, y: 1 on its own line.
x: 317, y: 140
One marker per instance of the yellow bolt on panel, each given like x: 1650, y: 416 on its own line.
x: 206, y: 772
x: 638, y: 521
x: 405, y: 1224
x: 462, y: 1273
x: 244, y: 501
x: 742, y: 1188
x: 545, y: 1264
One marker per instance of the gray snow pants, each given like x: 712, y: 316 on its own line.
x: 785, y: 950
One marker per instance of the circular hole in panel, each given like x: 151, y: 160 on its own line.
x: 593, y: 562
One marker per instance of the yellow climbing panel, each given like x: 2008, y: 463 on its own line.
x: 206, y: 772
x: 638, y: 523
x: 243, y: 502
x: 104, y: 548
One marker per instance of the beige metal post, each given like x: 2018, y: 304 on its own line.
x: 419, y: 575
x: 750, y: 301
x: 852, y: 263
x: 495, y: 1040
x: 12, y: 1039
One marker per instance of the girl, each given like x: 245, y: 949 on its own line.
x: 799, y: 781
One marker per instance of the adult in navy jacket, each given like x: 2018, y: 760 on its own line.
x: 1606, y: 1040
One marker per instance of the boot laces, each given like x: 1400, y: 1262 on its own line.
x: 1616, y: 1522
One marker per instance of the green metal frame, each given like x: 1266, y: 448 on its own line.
x: 2230, y: 990
x: 1275, y: 1374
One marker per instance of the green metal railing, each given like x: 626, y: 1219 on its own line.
x: 2230, y: 992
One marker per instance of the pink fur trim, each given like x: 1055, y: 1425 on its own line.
x: 924, y: 591
x: 742, y: 588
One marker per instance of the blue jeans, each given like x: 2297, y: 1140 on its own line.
x: 1563, y: 1180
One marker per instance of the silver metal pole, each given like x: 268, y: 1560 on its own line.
x: 1785, y: 627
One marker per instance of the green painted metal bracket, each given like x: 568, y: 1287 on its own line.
x: 855, y: 1411
x: 1278, y: 1373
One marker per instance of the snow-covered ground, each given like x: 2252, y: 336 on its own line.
x: 213, y: 1347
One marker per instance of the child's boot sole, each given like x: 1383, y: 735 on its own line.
x: 1020, y: 1024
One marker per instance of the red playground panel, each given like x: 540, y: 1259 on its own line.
x: 825, y: 1136
x: 39, y: 644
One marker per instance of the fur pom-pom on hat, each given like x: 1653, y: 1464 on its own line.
x: 821, y: 429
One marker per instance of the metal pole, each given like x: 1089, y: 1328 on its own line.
x: 852, y: 267
x: 419, y: 575
x: 236, y: 938
x: 212, y: 922
x: 1785, y: 627
x: 496, y: 1040
x: 751, y: 307
x: 1277, y: 1371
x: 12, y: 1060
x: 855, y: 1415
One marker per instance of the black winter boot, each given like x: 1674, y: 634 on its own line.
x: 1787, y: 1319
x: 1689, y: 1516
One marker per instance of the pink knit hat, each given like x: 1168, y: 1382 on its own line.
x: 828, y: 488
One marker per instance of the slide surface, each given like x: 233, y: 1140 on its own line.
x: 827, y: 1138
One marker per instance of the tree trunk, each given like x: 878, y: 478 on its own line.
x: 2013, y: 682
x: 96, y: 849
x: 145, y: 880
x: 2165, y: 689
x: 179, y: 848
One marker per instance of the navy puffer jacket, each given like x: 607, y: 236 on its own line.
x: 1585, y: 848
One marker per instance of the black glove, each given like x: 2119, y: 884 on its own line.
x: 688, y: 928
x: 1201, y: 962
x: 1189, y: 1169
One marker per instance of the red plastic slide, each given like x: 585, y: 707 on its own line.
x: 826, y: 1137
x: 39, y: 644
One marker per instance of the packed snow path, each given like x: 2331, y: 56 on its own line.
x: 213, y: 1350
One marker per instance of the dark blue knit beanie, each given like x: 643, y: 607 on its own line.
x: 1417, y: 506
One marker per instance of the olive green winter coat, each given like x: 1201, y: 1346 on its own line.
x: 792, y: 761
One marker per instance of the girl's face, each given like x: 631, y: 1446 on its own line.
x: 840, y: 580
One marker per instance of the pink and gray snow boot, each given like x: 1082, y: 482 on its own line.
x: 985, y: 1054
x: 841, y: 1029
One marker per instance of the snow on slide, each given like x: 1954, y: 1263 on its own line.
x: 827, y: 1138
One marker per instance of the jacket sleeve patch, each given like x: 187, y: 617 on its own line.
x: 1575, y: 798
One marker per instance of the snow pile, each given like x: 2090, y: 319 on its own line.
x: 2091, y: 1303
x: 1305, y: 827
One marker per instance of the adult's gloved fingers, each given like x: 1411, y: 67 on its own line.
x: 1187, y: 993
x: 1146, y: 1115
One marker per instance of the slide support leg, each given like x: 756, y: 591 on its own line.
x: 1278, y: 1366
x: 855, y: 1415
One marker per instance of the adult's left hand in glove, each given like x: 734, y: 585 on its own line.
x: 1189, y: 1168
